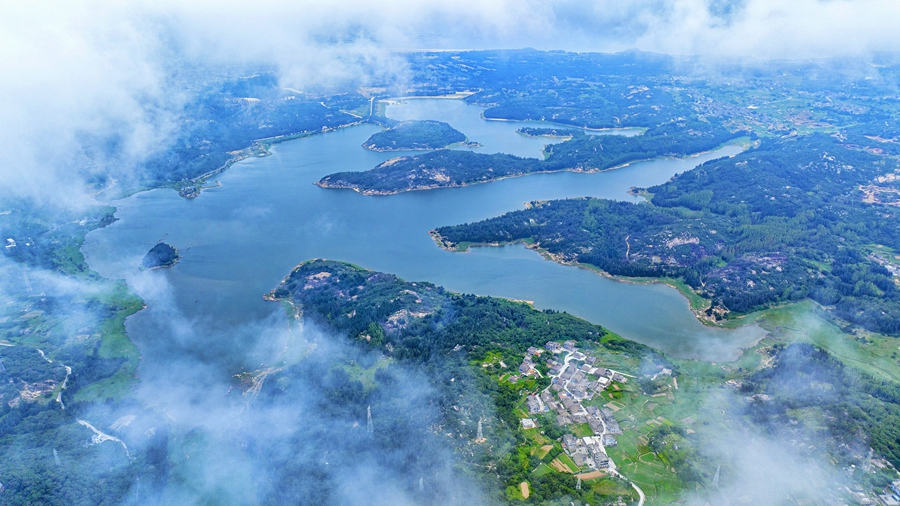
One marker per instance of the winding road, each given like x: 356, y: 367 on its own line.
x: 100, y: 437
x: 63, y: 386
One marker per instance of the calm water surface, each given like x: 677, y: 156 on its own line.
x: 238, y: 241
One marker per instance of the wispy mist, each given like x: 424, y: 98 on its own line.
x: 88, y: 90
x: 746, y: 460
x: 295, y: 431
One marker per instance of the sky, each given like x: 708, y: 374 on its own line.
x: 101, y: 68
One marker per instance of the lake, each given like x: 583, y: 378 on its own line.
x: 239, y: 240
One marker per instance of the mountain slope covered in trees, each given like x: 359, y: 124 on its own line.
x: 784, y: 221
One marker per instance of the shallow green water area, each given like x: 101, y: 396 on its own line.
x: 238, y: 241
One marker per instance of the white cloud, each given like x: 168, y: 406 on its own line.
x: 100, y: 67
x: 767, y: 28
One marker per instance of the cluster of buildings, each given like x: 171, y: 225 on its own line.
x: 889, y: 497
x: 575, y: 381
x: 893, y: 498
x: 586, y: 451
x: 574, y: 378
x: 527, y: 368
x: 605, y: 415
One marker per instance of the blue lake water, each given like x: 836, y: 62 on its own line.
x: 240, y: 239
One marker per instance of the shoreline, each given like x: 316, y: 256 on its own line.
x: 640, y: 130
x: 371, y: 193
x: 698, y: 311
x: 448, y: 96
x: 259, y: 148
x: 466, y: 143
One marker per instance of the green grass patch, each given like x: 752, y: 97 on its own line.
x: 885, y: 253
x: 634, y: 458
x: 537, y: 437
x: 542, y: 469
x: 514, y: 493
x: 609, y: 487
x: 568, y: 462
x: 805, y: 321
x: 363, y: 110
x: 542, y: 452
x: 366, y: 375
x: 582, y: 430
x: 114, y: 343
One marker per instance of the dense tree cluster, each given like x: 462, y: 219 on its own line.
x: 49, y: 240
x: 788, y: 224
x: 229, y: 115
x: 418, y: 320
x: 781, y: 222
x: 860, y: 410
x: 552, y: 133
x: 415, y: 135
x: 34, y: 433
x: 441, y: 331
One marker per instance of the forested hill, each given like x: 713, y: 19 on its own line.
x: 422, y: 326
x: 415, y: 320
x: 791, y: 219
x: 581, y: 153
x: 580, y: 89
x: 415, y: 135
x: 160, y: 255
x: 227, y: 116
x: 807, y: 379
x: 440, y: 169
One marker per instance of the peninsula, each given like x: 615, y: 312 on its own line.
x: 545, y: 402
x: 768, y: 226
x: 583, y: 153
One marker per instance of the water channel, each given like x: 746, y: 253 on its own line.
x: 240, y: 239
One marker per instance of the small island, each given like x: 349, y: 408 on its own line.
x: 416, y: 136
x: 550, y: 133
x: 160, y: 255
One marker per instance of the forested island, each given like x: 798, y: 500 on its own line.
x: 550, y: 133
x: 788, y: 220
x: 583, y: 153
x: 419, y: 135
x: 160, y: 255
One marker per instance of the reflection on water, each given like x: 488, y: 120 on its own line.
x: 239, y: 240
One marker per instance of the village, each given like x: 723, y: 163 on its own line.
x: 574, y: 378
